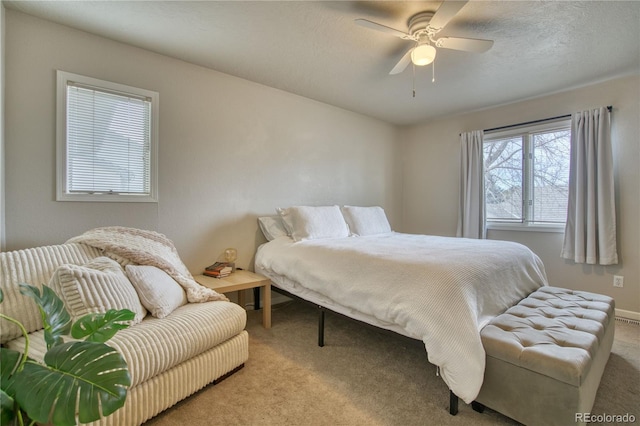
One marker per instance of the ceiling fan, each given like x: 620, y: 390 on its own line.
x: 423, y: 28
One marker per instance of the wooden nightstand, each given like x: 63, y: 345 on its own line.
x: 238, y: 281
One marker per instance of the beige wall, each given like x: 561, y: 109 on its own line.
x: 230, y: 150
x: 430, y: 176
x: 2, y: 61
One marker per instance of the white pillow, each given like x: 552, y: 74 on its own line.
x: 287, y: 220
x: 96, y: 287
x: 314, y: 222
x: 272, y: 227
x: 158, y: 292
x: 366, y: 220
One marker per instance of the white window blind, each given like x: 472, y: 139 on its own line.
x: 108, y: 142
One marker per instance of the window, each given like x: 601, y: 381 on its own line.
x: 526, y: 176
x: 106, y: 141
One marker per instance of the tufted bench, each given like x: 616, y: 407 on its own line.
x: 546, y: 355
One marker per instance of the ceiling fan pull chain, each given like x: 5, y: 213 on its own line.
x: 433, y: 71
x: 414, y: 80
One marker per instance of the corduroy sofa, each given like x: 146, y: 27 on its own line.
x: 169, y: 358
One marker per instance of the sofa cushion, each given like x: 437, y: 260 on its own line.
x: 33, y: 266
x: 96, y: 287
x: 158, y: 292
x: 155, y: 345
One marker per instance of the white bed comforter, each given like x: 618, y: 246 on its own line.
x: 438, y: 289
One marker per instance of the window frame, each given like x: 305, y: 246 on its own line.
x: 62, y: 193
x: 527, y: 175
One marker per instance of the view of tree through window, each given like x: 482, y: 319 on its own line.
x: 527, y: 177
x: 551, y: 176
x: 503, y: 179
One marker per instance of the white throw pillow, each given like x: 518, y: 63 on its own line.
x: 158, y: 292
x: 272, y: 227
x: 366, y: 220
x: 314, y: 222
x: 96, y: 287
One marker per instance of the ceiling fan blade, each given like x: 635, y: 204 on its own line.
x: 402, y: 63
x: 379, y: 27
x: 445, y: 13
x: 465, y: 44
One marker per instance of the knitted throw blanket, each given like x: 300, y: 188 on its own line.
x: 147, y: 248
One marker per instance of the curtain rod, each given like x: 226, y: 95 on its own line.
x: 534, y: 122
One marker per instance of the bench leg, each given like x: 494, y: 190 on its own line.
x: 477, y: 407
x: 321, y: 327
x: 453, y: 403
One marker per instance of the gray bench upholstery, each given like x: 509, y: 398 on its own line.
x: 546, y: 355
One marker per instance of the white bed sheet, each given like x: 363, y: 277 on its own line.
x: 440, y: 290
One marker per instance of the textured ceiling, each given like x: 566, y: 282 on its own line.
x: 314, y: 49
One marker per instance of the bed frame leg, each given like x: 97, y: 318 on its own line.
x: 453, y: 403
x: 321, y: 327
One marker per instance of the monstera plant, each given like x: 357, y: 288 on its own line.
x: 79, y: 380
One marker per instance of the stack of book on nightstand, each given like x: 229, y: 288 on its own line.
x: 218, y: 270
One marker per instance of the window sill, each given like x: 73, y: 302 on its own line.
x: 525, y: 228
x: 105, y: 198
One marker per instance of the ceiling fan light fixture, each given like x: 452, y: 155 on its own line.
x: 423, y: 54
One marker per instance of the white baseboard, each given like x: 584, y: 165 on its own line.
x: 621, y: 313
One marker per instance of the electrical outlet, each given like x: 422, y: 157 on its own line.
x: 618, y: 281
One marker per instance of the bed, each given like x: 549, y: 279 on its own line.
x: 440, y: 290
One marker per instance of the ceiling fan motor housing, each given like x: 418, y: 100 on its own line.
x: 419, y: 23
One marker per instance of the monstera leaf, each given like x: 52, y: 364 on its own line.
x: 79, y: 380
x: 101, y: 327
x: 7, y: 411
x: 55, y: 317
x: 9, y: 361
x: 89, y: 377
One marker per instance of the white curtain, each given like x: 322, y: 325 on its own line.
x: 590, y: 232
x: 471, y: 216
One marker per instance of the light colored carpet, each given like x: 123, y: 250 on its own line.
x: 361, y: 377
